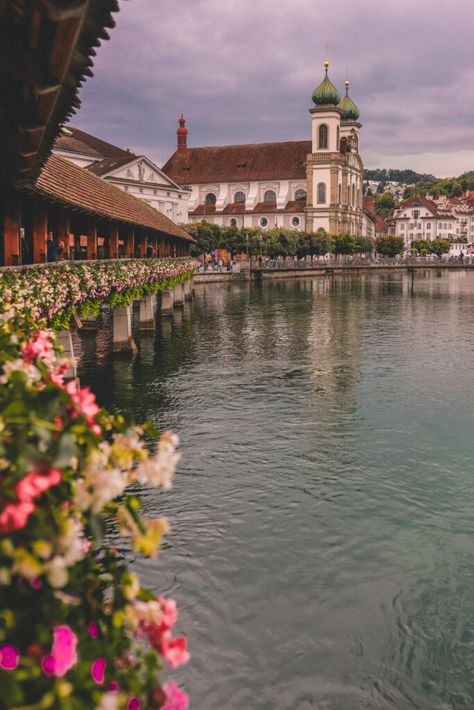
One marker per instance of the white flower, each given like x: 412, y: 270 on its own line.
x: 158, y: 470
x: 99, y: 487
x: 109, y: 701
x: 72, y: 542
x: 19, y: 365
x: 56, y: 572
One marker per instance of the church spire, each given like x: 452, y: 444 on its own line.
x: 182, y: 135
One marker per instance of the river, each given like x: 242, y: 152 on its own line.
x: 322, y: 546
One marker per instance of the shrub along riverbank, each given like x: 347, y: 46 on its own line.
x: 77, y: 629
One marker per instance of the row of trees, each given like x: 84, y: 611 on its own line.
x: 273, y: 242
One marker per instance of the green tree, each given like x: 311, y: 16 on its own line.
x: 389, y: 246
x: 384, y: 204
x: 420, y: 246
x: 439, y: 247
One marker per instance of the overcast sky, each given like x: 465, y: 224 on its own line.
x: 242, y: 71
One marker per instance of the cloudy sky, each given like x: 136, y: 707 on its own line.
x: 242, y: 71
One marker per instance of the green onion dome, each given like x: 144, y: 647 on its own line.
x: 326, y: 93
x: 350, y: 112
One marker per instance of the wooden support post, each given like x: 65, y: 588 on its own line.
x: 147, y: 313
x: 167, y: 302
x: 113, y: 241
x: 92, y: 241
x: 188, y: 294
x: 63, y: 231
x: 65, y: 340
x: 11, y: 231
x: 130, y: 242
x: 122, y: 330
x: 178, y: 295
x: 40, y: 233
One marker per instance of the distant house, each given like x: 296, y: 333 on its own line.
x: 135, y: 174
x: 420, y: 218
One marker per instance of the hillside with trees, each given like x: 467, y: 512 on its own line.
x: 405, y: 177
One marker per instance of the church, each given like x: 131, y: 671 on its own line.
x: 302, y: 185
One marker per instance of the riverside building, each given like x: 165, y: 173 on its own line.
x: 135, y: 174
x: 303, y: 185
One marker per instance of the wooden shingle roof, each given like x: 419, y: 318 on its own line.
x: 65, y: 183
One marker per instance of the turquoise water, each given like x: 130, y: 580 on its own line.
x: 322, y: 552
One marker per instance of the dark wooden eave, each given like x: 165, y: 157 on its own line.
x: 46, y: 54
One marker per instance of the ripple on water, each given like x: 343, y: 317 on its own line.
x: 321, y: 552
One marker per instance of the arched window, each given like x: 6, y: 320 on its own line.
x: 353, y: 193
x: 270, y: 196
x: 321, y: 193
x: 239, y: 197
x: 323, y: 136
x: 339, y: 193
x: 300, y: 194
x: 337, y: 143
x: 210, y: 199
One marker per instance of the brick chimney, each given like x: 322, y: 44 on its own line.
x: 182, y: 134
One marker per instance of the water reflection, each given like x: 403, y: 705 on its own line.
x: 322, y: 550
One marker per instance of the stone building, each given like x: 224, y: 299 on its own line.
x: 135, y: 174
x: 302, y: 185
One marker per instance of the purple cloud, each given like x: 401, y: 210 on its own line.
x: 244, y: 72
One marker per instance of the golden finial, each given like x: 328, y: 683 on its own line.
x: 326, y: 61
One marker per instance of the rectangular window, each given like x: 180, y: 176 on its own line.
x: 428, y: 226
x: 402, y: 227
x: 416, y: 214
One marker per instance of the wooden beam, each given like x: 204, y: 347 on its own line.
x: 40, y: 233
x: 113, y: 241
x: 11, y: 230
x: 130, y: 241
x: 92, y: 241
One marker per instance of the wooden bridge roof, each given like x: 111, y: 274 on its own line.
x: 46, y: 53
x: 78, y: 189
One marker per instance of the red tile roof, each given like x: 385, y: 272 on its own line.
x: 368, y: 203
x: 81, y: 142
x: 238, y: 163
x: 422, y: 202
x: 68, y: 184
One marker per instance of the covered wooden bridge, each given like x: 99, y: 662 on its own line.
x: 46, y: 53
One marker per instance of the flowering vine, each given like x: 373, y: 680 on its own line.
x: 77, y: 628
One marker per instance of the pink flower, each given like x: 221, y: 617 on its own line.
x: 15, y: 516
x: 133, y: 704
x: 85, y: 404
x: 9, y: 657
x: 41, y: 347
x: 98, y: 670
x: 175, y: 651
x: 93, y: 630
x: 113, y: 687
x: 33, y: 484
x: 169, y: 612
x: 176, y: 699
x: 63, y: 652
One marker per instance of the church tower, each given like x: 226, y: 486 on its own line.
x: 334, y: 169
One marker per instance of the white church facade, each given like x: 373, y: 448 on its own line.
x: 303, y: 185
